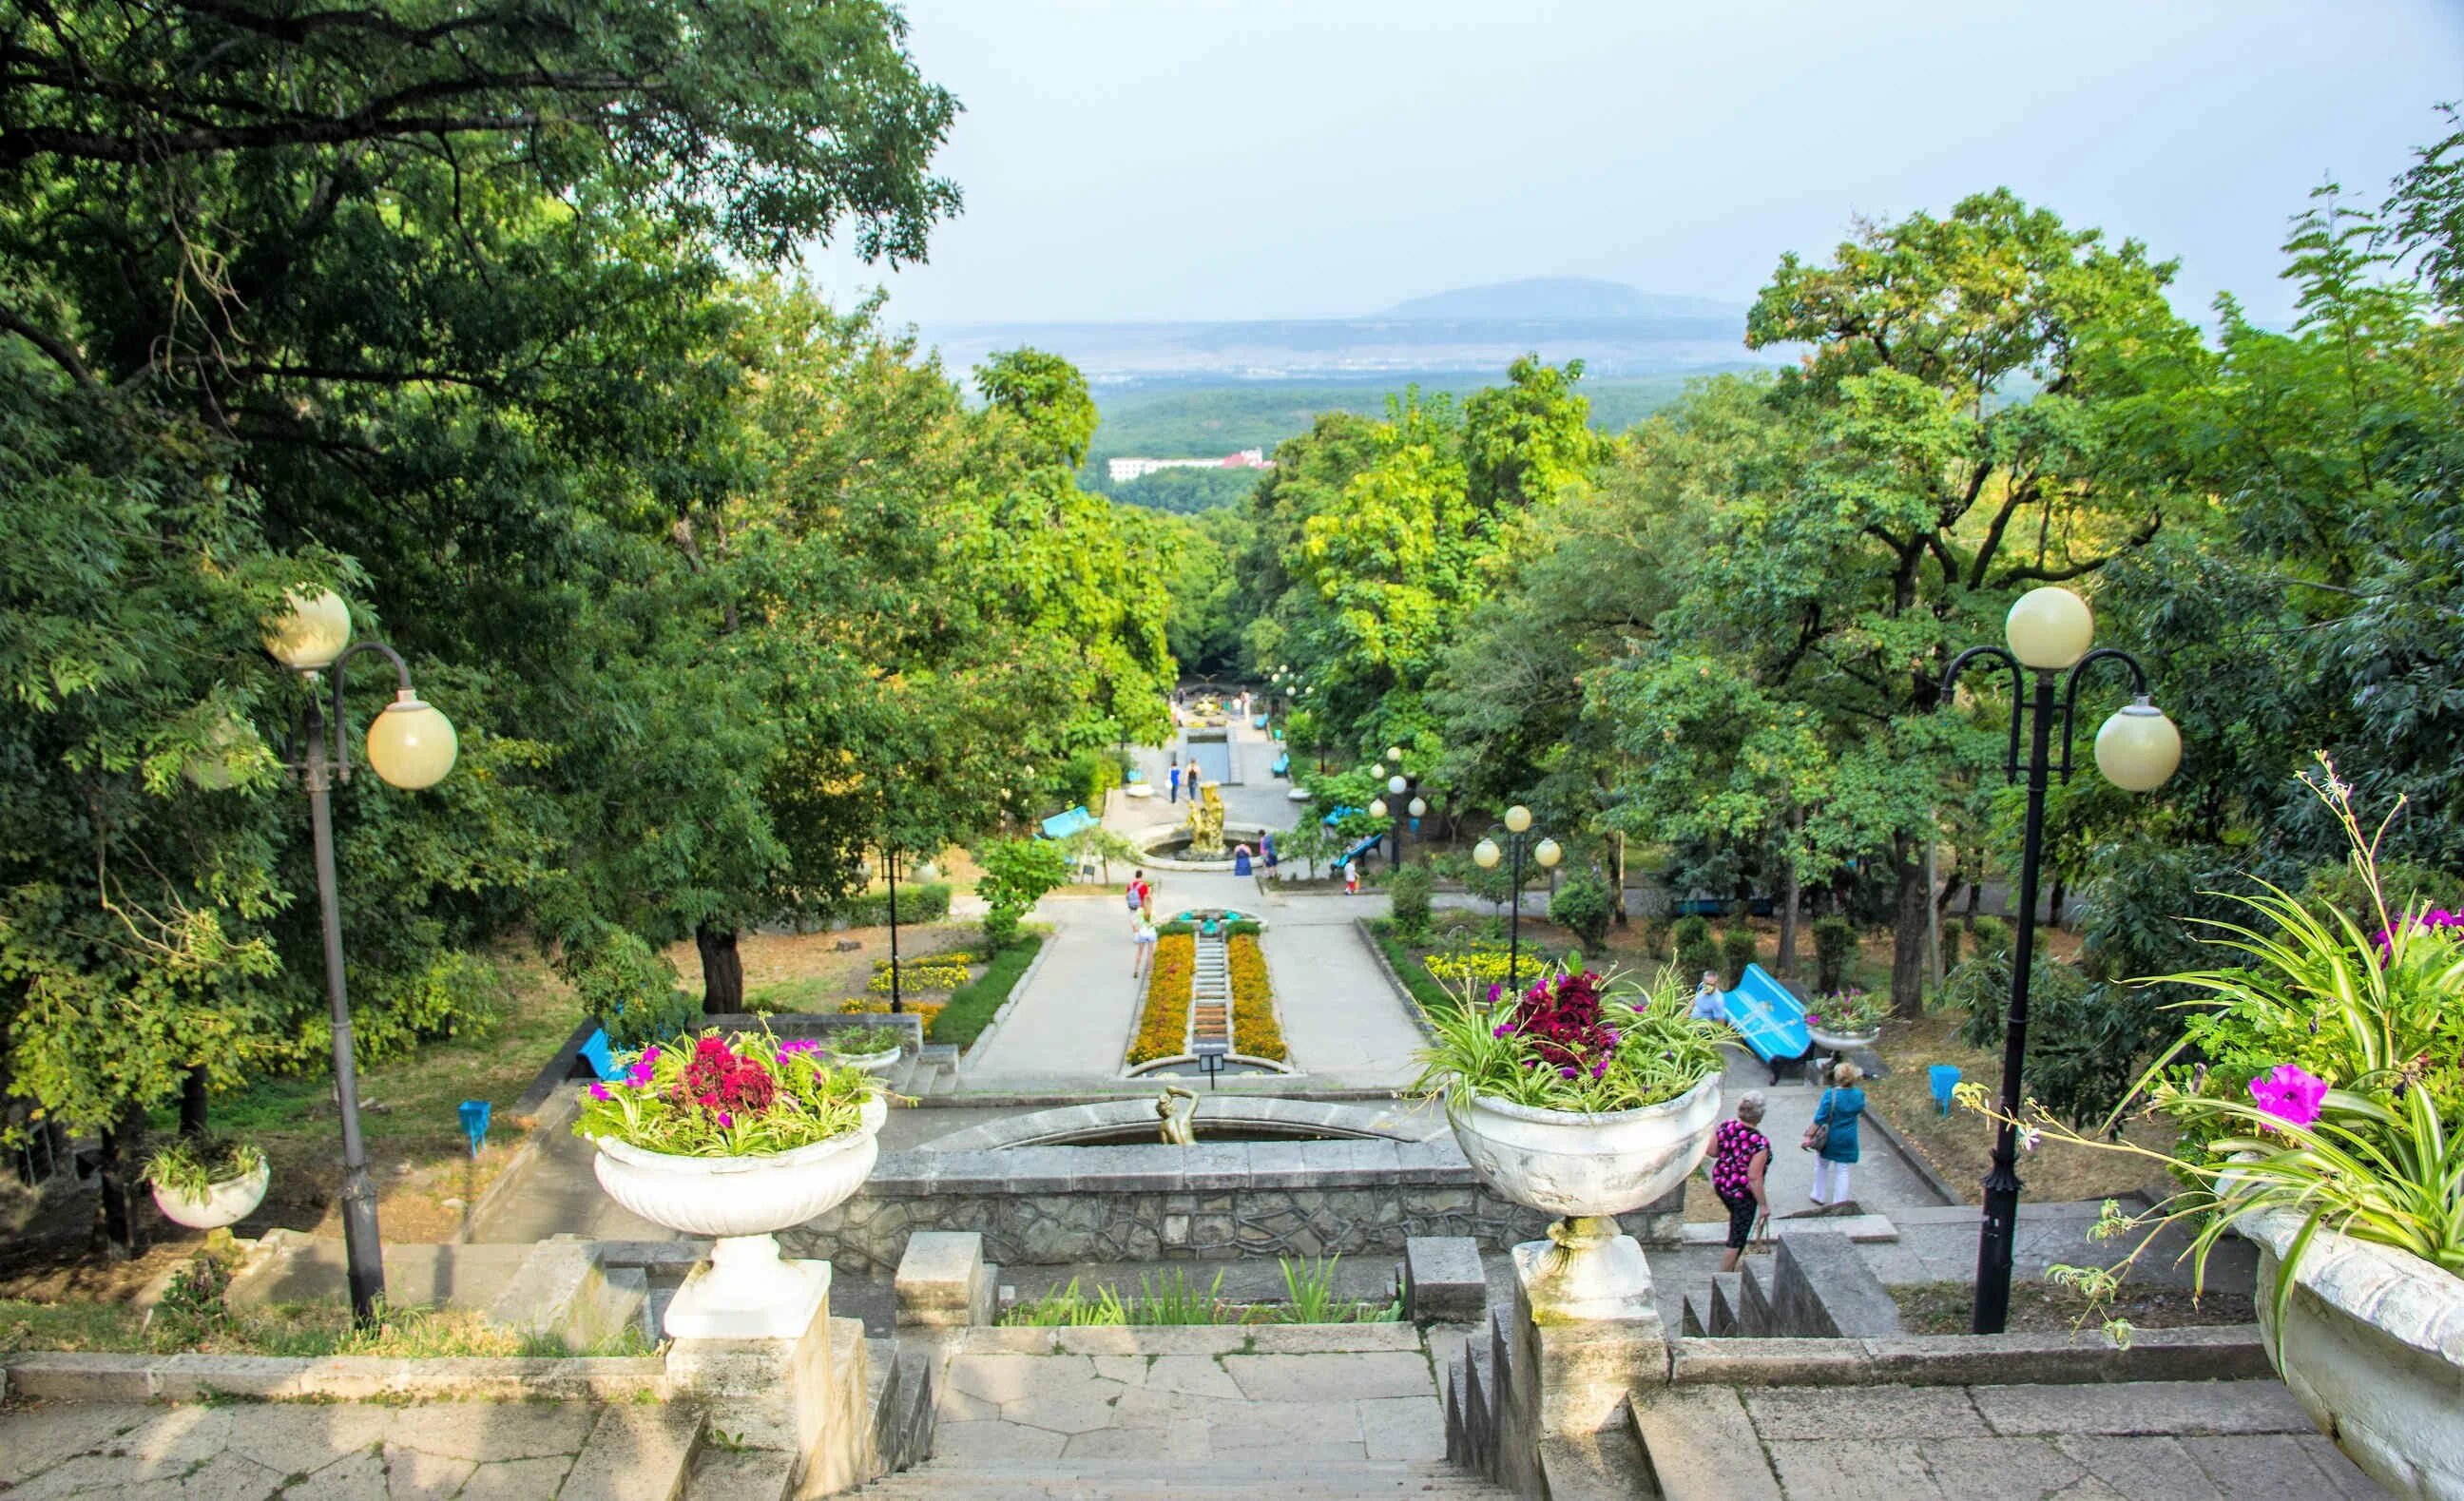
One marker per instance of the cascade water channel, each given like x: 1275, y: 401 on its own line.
x: 1210, y: 989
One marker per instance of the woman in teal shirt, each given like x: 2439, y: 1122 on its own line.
x: 1842, y: 1106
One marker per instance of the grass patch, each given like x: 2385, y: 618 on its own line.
x: 1430, y: 996
x: 1959, y: 1146
x: 1171, y: 1297
x: 971, y: 1006
x: 400, y: 1334
x: 2044, y: 1308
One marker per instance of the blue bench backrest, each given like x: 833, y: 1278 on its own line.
x: 601, y: 1057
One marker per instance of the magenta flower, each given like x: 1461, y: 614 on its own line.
x: 725, y: 1119
x: 599, y: 1091
x: 1502, y: 1029
x: 639, y: 1075
x: 2289, y: 1093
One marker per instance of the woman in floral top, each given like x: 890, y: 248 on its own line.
x: 1739, y: 1155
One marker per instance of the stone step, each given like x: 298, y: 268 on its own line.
x: 1207, y: 1480
x: 720, y: 1474
x: 634, y: 1453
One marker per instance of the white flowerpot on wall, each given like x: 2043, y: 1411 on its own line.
x: 746, y: 1291
x: 1843, y: 1042
x: 221, y: 1205
x: 2371, y: 1344
x: 881, y: 1061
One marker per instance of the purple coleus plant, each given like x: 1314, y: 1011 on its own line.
x: 1561, y: 1018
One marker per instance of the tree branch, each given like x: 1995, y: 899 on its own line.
x: 58, y: 348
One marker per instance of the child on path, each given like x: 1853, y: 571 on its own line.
x: 1351, y: 879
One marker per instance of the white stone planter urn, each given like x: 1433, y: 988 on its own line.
x: 881, y: 1061
x: 2372, y: 1345
x: 746, y: 1290
x: 221, y: 1205
x: 1587, y: 1168
x: 1843, y: 1042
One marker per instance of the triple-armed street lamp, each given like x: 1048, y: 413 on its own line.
x: 1397, y: 785
x: 2049, y: 630
x: 1486, y: 854
x: 411, y: 745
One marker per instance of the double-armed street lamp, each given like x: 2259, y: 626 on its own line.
x: 1485, y: 854
x: 411, y: 745
x: 2049, y: 630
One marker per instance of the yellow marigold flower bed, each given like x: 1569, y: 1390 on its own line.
x: 1254, y: 1032
x: 920, y: 977
x: 1480, y: 966
x: 1164, y: 1030
x: 929, y: 1010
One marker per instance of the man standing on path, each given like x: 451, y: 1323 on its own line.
x: 1174, y: 777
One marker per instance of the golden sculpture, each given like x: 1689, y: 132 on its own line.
x: 1206, y: 822
x: 1176, y: 1107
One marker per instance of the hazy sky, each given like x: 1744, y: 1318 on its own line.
x: 1180, y: 159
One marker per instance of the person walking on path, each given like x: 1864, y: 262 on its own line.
x: 1142, y: 943
x: 1833, y: 1136
x: 1174, y: 777
x: 1351, y: 878
x: 1136, y: 894
x: 1739, y: 1156
x: 1709, y: 1003
x: 1266, y: 853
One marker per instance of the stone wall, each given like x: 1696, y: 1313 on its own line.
x: 1054, y: 1205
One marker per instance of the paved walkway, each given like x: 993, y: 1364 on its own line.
x: 341, y: 1451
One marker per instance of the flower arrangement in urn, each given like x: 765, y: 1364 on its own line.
x: 2319, y: 1092
x: 736, y: 1137
x: 1847, y: 1018
x: 1585, y: 1095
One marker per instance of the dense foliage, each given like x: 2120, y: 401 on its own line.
x: 727, y: 591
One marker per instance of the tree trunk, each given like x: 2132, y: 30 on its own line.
x: 722, y: 970
x: 2054, y: 905
x: 1616, y: 911
x: 117, y: 1218
x: 193, y: 1104
x: 1908, y: 929
x: 1789, y: 896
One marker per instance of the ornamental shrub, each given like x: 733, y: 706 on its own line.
x: 1696, y: 950
x: 925, y: 901
x: 1988, y: 936
x: 630, y: 990
x: 1017, y: 873
x: 1950, y: 947
x: 1408, y: 897
x: 1834, y: 944
x: 1655, y: 934
x: 1582, y: 907
x: 1737, y: 950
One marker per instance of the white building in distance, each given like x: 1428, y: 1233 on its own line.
x: 1124, y: 470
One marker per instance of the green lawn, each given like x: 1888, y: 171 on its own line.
x: 972, y: 1006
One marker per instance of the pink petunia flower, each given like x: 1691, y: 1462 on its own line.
x: 2289, y: 1093
x: 599, y: 1091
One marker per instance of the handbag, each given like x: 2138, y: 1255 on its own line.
x: 1818, y: 1135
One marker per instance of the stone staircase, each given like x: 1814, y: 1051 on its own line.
x: 933, y: 1071
x: 1210, y: 993
x: 1213, y: 1480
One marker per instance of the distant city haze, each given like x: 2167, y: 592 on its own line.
x: 1129, y: 160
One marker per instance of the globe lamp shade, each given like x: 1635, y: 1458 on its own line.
x: 310, y: 632
x: 1378, y: 807
x: 1395, y: 753
x: 2139, y: 748
x: 1547, y: 853
x: 2049, y: 628
x: 1395, y: 783
x: 1484, y: 855
x: 1418, y: 807
x: 411, y: 744
x: 1377, y: 770
x: 1518, y: 818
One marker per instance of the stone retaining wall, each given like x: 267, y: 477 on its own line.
x: 1055, y: 1205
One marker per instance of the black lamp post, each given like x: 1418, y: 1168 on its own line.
x: 411, y: 745
x: 2049, y: 630
x: 1545, y: 852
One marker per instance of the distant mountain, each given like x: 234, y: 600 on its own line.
x: 1552, y: 298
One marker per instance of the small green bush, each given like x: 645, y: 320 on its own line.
x: 1655, y: 933
x: 1834, y: 944
x: 630, y: 990
x: 925, y: 901
x: 1409, y: 894
x: 1582, y: 907
x: 1697, y: 950
x: 1017, y: 873
x: 1737, y: 949
x: 1988, y: 936
x: 1950, y: 947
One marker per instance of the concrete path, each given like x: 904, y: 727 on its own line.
x: 343, y: 1452
x: 2137, y: 1440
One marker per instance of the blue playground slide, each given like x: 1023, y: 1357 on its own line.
x: 1360, y: 850
x: 1769, y: 1021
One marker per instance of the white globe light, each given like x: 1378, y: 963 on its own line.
x: 1395, y: 783
x: 2049, y: 628
x: 1394, y: 754
x: 1379, y: 769
x: 312, y: 632
x: 1518, y: 818
x: 1484, y: 855
x: 1378, y: 807
x: 2139, y: 748
x: 411, y: 744
x: 1418, y: 807
x: 1547, y: 854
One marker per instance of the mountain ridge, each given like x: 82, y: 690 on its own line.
x: 1549, y: 298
